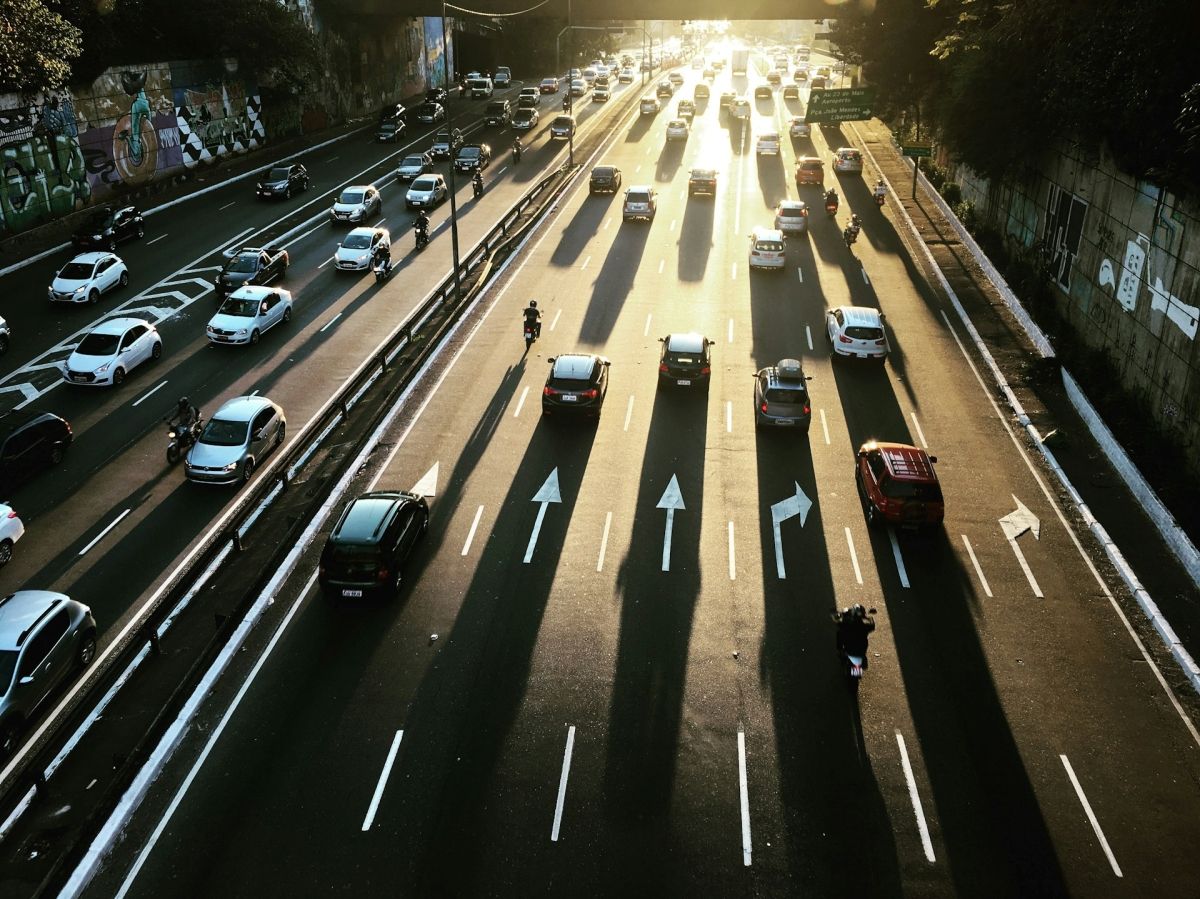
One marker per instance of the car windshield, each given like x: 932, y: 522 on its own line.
x: 98, y: 344
x: 240, y: 306
x: 245, y: 263
x: 468, y: 153
x: 927, y: 493
x: 602, y: 172
x: 76, y: 271
x: 277, y: 175
x: 387, y: 126
x: 409, y: 161
x: 357, y: 241
x: 352, y: 197
x: 98, y: 221
x: 8, y: 665
x: 428, y: 108
x: 424, y: 184
x: 223, y: 432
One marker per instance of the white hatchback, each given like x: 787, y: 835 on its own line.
x: 85, y: 277
x: 856, y: 331
x: 247, y: 313
x: 767, y: 249
x: 427, y: 191
x: 355, y: 204
x: 355, y: 252
x: 12, y: 529
x: 847, y: 159
x: 110, y: 351
x: 797, y: 127
x: 768, y: 144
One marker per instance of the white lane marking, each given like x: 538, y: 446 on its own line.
x: 825, y: 427
x: 672, y: 224
x: 1037, y: 591
x: 326, y: 262
x: 585, y: 263
x: 1087, y: 807
x: 607, y: 222
x: 156, y: 240
x: 732, y: 561
x: 915, y: 797
x: 672, y: 499
x: 562, y: 783
x: 808, y: 336
x: 604, y: 541
x: 920, y: 433
x: 649, y: 150
x: 854, y: 557
x: 226, y: 206
x: 501, y: 172
x: 866, y: 280
x: 521, y: 401
x: 116, y: 521
x: 733, y: 271
x: 662, y: 263
x: 978, y: 570
x: 333, y: 159
x: 800, y: 274
x: 330, y: 323
x: 380, y: 221
x: 471, y: 533
x: 729, y: 416
x: 255, y: 391
x: 646, y: 330
x: 556, y: 317
x: 745, y: 797
x: 638, y: 169
x: 149, y: 393
x: 383, y: 778
x: 730, y: 330
x: 628, y: 413
x: 899, y: 558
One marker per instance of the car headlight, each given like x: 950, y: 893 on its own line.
x: 362, y: 257
x: 259, y: 185
x: 103, y: 368
x: 241, y: 332
x: 230, y: 467
x: 79, y: 290
x: 95, y: 237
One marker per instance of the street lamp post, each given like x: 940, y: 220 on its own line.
x: 455, y: 140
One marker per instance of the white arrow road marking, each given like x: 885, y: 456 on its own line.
x: 796, y: 504
x: 1015, y: 524
x: 546, y: 495
x: 1087, y: 807
x: 562, y: 783
x: 427, y: 486
x: 854, y: 557
x: 671, y: 500
x: 978, y: 570
x: 745, y: 797
x: 915, y: 797
x: 471, y: 533
x: 899, y: 558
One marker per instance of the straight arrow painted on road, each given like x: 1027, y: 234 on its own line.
x: 427, y: 486
x: 1014, y: 524
x: 548, y: 494
x: 797, y: 504
x: 671, y: 500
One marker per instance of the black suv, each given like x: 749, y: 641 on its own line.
x: 781, y: 396
x: 685, y: 361
x: 106, y: 227
x: 283, y: 181
x: 437, y: 95
x: 577, y: 385
x: 702, y: 181
x: 367, y: 550
x: 473, y: 156
x: 29, y: 442
x: 498, y: 114
x: 605, y: 179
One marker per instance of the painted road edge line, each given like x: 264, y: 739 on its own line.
x: 383, y: 779
x: 745, y: 798
x: 915, y: 798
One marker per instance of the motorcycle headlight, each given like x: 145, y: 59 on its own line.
x: 171, y: 435
x: 259, y: 185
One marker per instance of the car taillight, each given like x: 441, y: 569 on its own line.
x: 842, y: 338
x: 663, y: 368
x: 12, y: 513
x: 755, y: 253
x: 804, y: 213
x: 763, y: 408
x: 879, y: 343
x: 381, y: 574
x: 707, y: 370
x: 807, y: 410
x: 591, y: 394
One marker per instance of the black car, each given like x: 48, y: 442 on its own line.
x: 762, y: 92
x: 366, y: 552
x: 105, y: 227
x: 685, y: 361
x: 430, y: 113
x: 437, y: 95
x: 577, y: 385
x: 664, y: 89
x: 473, y: 156
x: 283, y: 181
x: 29, y: 442
x: 605, y: 179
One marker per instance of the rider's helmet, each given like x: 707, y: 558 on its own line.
x: 858, y: 611
x: 533, y: 304
x: 184, y: 404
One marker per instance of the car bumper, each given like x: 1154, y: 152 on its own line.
x: 683, y: 382
x: 207, y: 476
x: 71, y: 298
x: 852, y: 353
x: 87, y: 379
x: 227, y: 339
x: 792, y: 227
x: 774, y: 421
x: 767, y: 263
x: 352, y: 589
x: 590, y: 409
x: 268, y: 192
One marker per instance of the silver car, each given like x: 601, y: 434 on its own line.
x: 413, y: 166
x: 356, y: 204
x: 235, y: 440
x: 248, y: 313
x: 44, y: 637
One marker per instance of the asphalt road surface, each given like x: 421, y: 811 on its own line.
x: 627, y: 699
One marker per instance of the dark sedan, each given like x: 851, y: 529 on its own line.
x: 429, y: 113
x: 685, y: 361
x: 605, y: 179
x: 437, y: 95
x: 283, y: 181
x: 105, y: 227
x: 473, y: 156
x: 577, y: 385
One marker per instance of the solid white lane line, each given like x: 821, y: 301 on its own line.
x: 471, y: 533
x: 638, y: 169
x: 646, y: 330
x: 628, y: 413
x: 854, y: 557
x: 333, y: 159
x: 380, y: 221
x: 562, y: 783
x: 732, y: 561
x: 255, y: 391
x: 226, y: 206
x: 556, y: 317
x: 116, y: 521
x: 383, y: 777
x: 825, y: 427
x: 730, y: 338
x: 156, y: 240
x: 978, y: 570
x: 808, y: 336
x: 745, y: 797
x: 800, y: 274
x: 326, y: 262
x: 729, y: 416
x: 501, y: 172
x: 1091, y: 816
x: 915, y: 798
x: 585, y: 263
x: 329, y: 324
x: 866, y: 280
x: 521, y: 401
x: 604, y: 541
x: 662, y: 263
x: 607, y: 222
x: 672, y: 224
x: 1037, y: 591
x: 733, y: 271
x: 145, y: 396
x: 899, y: 558
x: 920, y: 433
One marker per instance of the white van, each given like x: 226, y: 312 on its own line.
x: 480, y: 88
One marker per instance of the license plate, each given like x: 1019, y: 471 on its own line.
x: 569, y: 398
x: 351, y: 593
x: 78, y: 377
x: 783, y: 421
x: 684, y: 383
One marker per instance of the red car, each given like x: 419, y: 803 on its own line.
x: 549, y: 86
x: 897, y: 485
x: 809, y: 170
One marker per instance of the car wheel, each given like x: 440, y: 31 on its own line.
x: 5, y: 551
x: 247, y: 470
x: 287, y: 194
x: 118, y: 377
x: 56, y: 455
x: 87, y: 650
x: 280, y: 435
x: 287, y: 314
x: 156, y: 353
x: 124, y: 279
x: 872, y: 515
x: 254, y: 337
x: 10, y: 732
x: 93, y: 295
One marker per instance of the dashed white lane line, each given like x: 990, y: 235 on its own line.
x: 326, y: 262
x: 156, y: 240
x: 662, y: 263
x: 866, y: 280
x: 145, y: 396
x: 800, y: 274
x: 646, y: 330
x: 825, y: 427
x: 729, y: 416
x: 116, y: 521
x: 604, y: 541
x: 854, y: 557
x: 333, y: 159
x: 383, y: 778
x: 673, y: 223
x: 1037, y: 591
x: 628, y: 413
x: 899, y: 558
x: 733, y: 271
x: 255, y: 391
x: 915, y: 798
x: 732, y: 557
x: 607, y: 222
x: 226, y: 206
x: 557, y: 315
x: 585, y: 263
x: 471, y: 533
x: 1091, y: 816
x: 978, y: 570
x: 920, y: 433
x: 730, y: 338
x: 637, y: 169
x: 521, y: 401
x: 330, y: 323
x: 562, y: 783
x: 745, y: 798
x: 808, y: 337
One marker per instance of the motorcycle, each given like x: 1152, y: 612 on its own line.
x: 477, y: 187
x: 383, y: 271
x: 879, y: 199
x: 532, y: 330
x: 516, y: 153
x: 854, y: 663
x: 850, y: 235
x: 422, y: 239
x: 831, y: 205
x: 180, y: 440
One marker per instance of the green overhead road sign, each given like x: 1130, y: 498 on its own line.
x: 916, y: 150
x: 851, y: 104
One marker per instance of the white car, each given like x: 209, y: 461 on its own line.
x: 413, y: 166
x: 601, y: 94
x: 767, y: 249
x: 791, y: 216
x: 797, y: 127
x: 578, y: 87
x: 589, y: 74
x: 248, y: 312
x: 426, y: 192
x: 626, y: 76
x: 768, y: 144
x: 356, y: 204
x: 856, y: 331
x: 355, y: 252
x: 677, y: 129
x: 649, y: 106
x: 110, y: 351
x: 11, y: 530
x: 530, y: 93
x: 847, y: 159
x: 85, y: 277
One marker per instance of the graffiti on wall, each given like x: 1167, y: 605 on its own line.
x: 435, y: 66
x: 216, y: 119
x: 42, y: 170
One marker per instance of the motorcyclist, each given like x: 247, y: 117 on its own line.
x: 831, y: 199
x: 477, y: 182
x: 880, y: 190
x: 185, y: 417
x: 382, y: 257
x: 533, y: 318
x: 517, y: 149
x: 421, y: 225
x: 566, y: 102
x: 854, y: 626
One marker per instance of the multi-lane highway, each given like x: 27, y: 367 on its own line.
x: 592, y: 684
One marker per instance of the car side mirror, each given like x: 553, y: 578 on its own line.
x: 862, y: 453
x: 26, y: 680
x: 662, y: 340
x: 607, y: 363
x: 256, y: 435
x: 933, y: 459
x: 551, y: 359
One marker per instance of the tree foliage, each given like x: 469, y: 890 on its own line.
x: 36, y: 47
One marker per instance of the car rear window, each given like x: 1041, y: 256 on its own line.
x: 811, y: 165
x: 769, y: 246
x: 683, y: 358
x: 638, y: 197
x: 916, y: 490
x: 796, y: 397
x: 859, y: 332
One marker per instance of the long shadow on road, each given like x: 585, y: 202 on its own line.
x: 613, y: 283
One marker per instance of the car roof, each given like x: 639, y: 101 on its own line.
x: 905, y: 462
x: 792, y: 205
x: 118, y: 326
x: 768, y: 234
x: 574, y: 366
x: 861, y: 316
x: 769, y: 135
x: 242, y: 408
x: 604, y: 169
x: 366, y: 231
x: 365, y: 517
x: 849, y: 151
x: 787, y: 373
x: 20, y: 610
x: 680, y: 122
x: 92, y: 257
x: 703, y: 173
x: 686, y: 342
x: 809, y: 162
x: 256, y: 292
